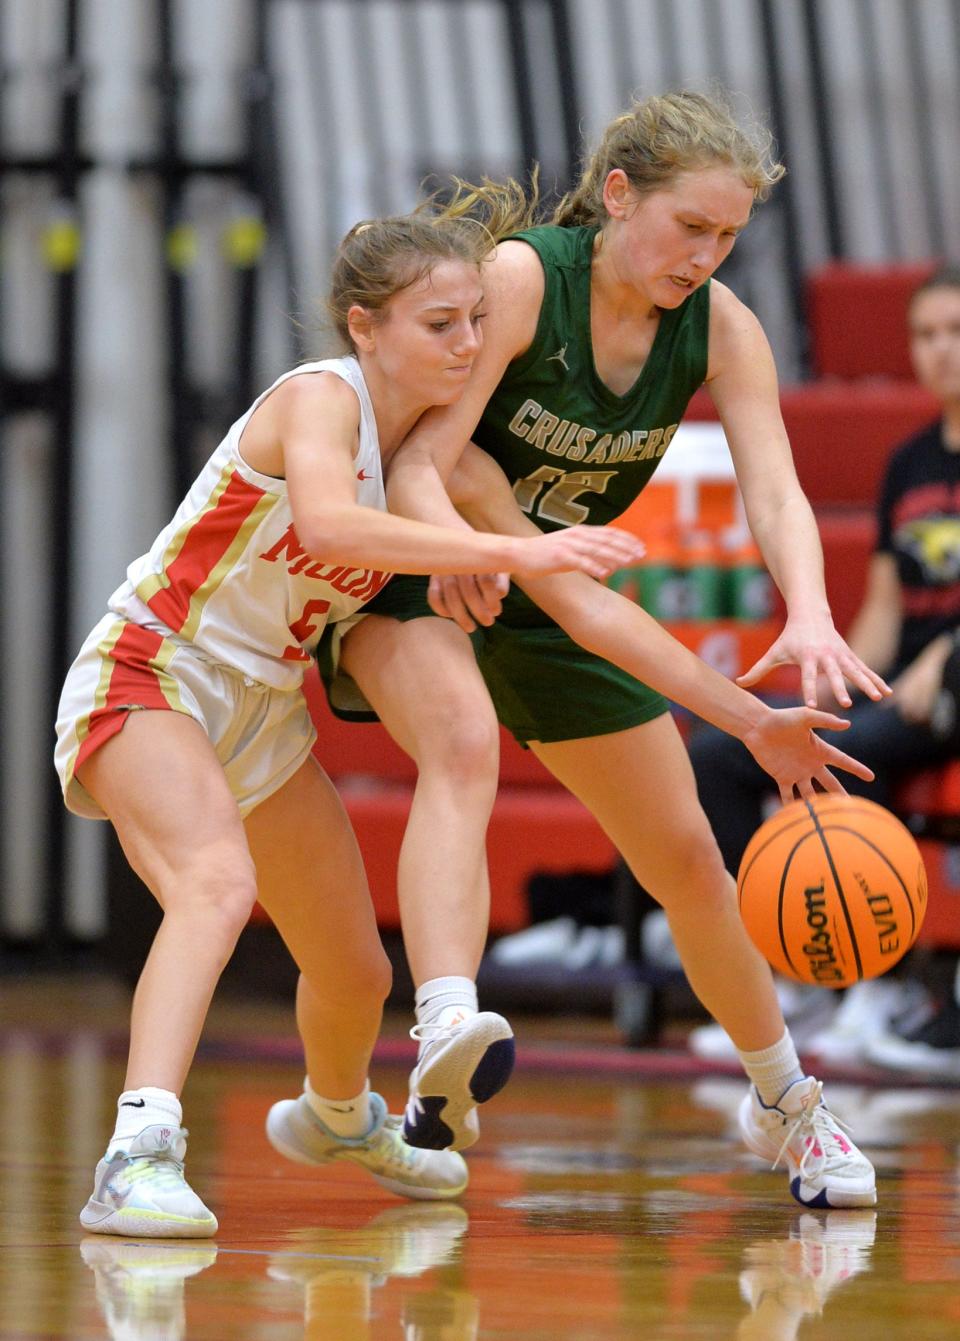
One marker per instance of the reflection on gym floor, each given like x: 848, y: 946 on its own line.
x: 598, y: 1208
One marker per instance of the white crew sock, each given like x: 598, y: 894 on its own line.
x: 344, y: 1117
x: 445, y: 1002
x: 145, y: 1107
x: 773, y: 1069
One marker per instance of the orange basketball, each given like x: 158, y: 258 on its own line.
x: 832, y: 890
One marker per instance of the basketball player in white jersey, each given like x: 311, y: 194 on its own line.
x: 183, y: 721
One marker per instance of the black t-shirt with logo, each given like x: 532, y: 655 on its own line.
x: 919, y: 524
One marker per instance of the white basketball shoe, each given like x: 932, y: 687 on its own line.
x: 429, y: 1175
x: 461, y: 1065
x: 141, y: 1191
x: 826, y: 1169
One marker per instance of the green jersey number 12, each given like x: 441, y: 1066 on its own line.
x: 558, y: 503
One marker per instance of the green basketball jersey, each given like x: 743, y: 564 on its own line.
x: 573, y: 450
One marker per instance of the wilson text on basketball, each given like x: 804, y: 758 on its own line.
x: 819, y: 947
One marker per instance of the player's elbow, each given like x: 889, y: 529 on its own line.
x: 329, y: 534
x: 471, y: 478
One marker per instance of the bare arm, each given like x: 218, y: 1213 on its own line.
x: 606, y: 623
x: 874, y: 631
x: 915, y: 689
x: 513, y: 286
x: 743, y: 383
x: 307, y: 432
x: 877, y: 627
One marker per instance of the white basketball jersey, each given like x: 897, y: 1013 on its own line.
x: 228, y: 573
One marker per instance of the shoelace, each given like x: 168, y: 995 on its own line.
x: 429, y: 1033
x: 816, y: 1119
x: 163, y: 1165
x: 164, y: 1172
x: 415, y: 1108
x: 426, y: 1033
x: 160, y: 1166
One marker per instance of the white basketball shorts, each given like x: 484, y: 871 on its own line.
x: 261, y: 735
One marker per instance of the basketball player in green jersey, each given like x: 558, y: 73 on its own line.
x: 600, y: 328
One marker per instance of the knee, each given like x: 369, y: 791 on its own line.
x: 463, y: 743
x: 376, y: 976
x: 695, y: 874
x: 363, y: 985
x: 360, y: 985
x: 217, y: 890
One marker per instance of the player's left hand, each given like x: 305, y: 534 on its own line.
x: 785, y: 744
x: 816, y: 647
x: 468, y: 599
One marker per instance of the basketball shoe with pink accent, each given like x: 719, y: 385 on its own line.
x: 826, y: 1169
x: 140, y: 1191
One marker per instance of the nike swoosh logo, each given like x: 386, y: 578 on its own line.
x: 118, y: 1194
x: 333, y: 1108
x: 362, y: 475
x: 134, y: 1103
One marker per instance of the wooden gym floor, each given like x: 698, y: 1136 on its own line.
x: 609, y: 1199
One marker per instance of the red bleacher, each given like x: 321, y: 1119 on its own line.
x: 858, y: 318
x: 842, y: 434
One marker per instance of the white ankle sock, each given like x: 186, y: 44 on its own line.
x: 344, y: 1117
x: 773, y: 1069
x: 445, y: 1001
x: 145, y: 1107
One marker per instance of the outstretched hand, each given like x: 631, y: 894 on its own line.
x: 817, y: 648
x: 785, y: 745
x: 595, y: 550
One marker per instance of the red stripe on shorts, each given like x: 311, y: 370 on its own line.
x: 133, y: 680
x: 207, y: 542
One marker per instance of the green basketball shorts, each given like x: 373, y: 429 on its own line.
x: 544, y: 685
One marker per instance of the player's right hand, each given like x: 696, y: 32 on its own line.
x: 595, y: 550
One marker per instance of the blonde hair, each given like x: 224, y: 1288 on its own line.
x: 380, y: 257
x: 663, y: 136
